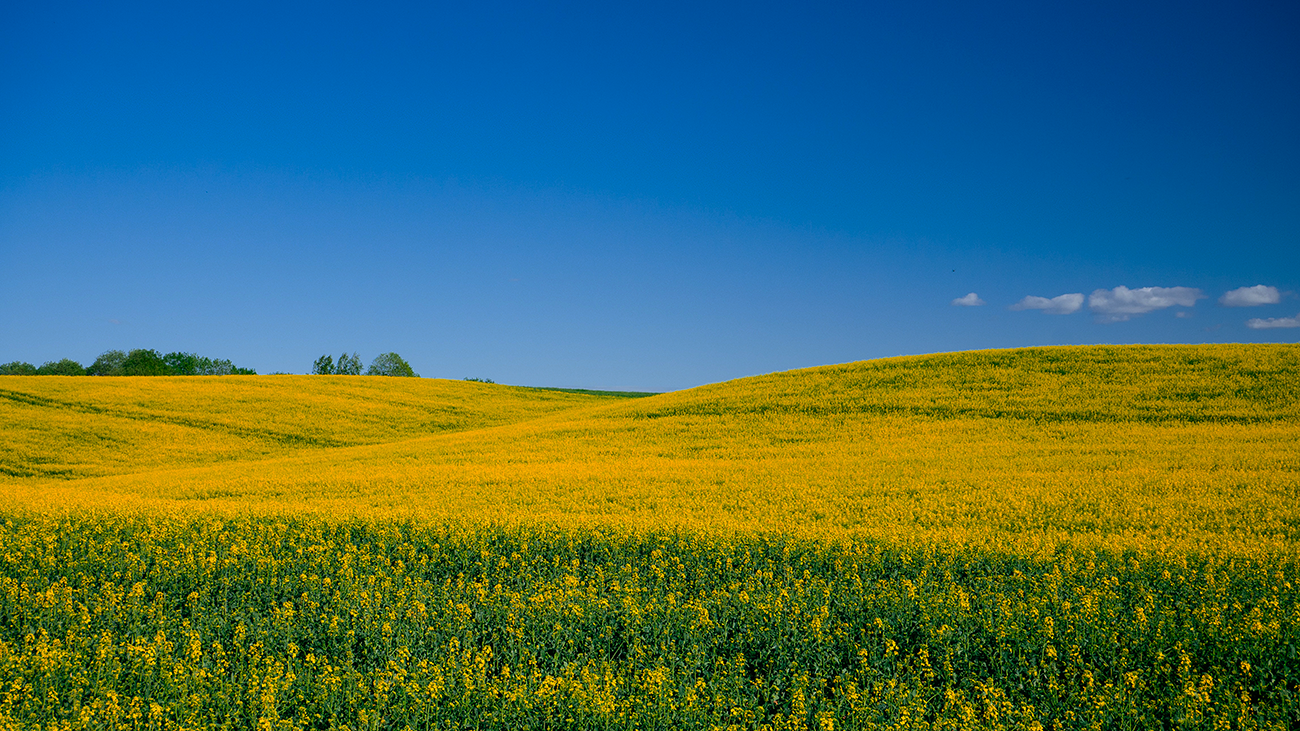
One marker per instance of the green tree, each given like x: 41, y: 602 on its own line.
x: 391, y: 364
x: 17, y: 368
x: 348, y: 365
x: 184, y: 364
x: 143, y: 362
x: 190, y: 364
x: 109, y: 363
x: 65, y: 367
x: 324, y: 366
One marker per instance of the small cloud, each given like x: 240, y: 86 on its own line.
x: 1272, y: 322
x: 970, y: 300
x: 1122, y: 303
x: 1251, y: 296
x: 1182, y: 313
x: 1062, y: 305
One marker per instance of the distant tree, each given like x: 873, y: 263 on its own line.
x: 65, y: 367
x: 348, y: 365
x: 17, y: 368
x: 109, y: 363
x: 143, y: 362
x: 189, y: 364
x: 184, y: 364
x: 390, y: 364
x: 480, y: 380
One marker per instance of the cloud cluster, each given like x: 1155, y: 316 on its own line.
x: 1121, y: 303
x: 1062, y: 305
x: 1257, y: 323
x: 1251, y: 296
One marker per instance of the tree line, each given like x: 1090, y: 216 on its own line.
x: 143, y: 362
x: 384, y: 364
x: 139, y: 362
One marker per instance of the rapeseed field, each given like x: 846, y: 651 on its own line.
x: 1098, y: 537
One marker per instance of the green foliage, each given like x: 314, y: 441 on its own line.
x: 190, y: 364
x: 109, y: 363
x: 348, y: 365
x: 144, y: 362
x: 302, y: 623
x: 391, y: 364
x: 17, y: 368
x: 65, y: 367
x: 480, y: 380
x: 182, y: 364
x: 324, y: 366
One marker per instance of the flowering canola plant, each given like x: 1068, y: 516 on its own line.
x: 1092, y: 537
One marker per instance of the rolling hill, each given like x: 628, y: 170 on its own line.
x: 1044, y: 538
x: 1137, y: 444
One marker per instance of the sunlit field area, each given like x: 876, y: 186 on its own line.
x: 1078, y: 538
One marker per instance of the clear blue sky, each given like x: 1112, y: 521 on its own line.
x: 643, y: 197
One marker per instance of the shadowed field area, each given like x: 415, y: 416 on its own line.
x: 67, y: 428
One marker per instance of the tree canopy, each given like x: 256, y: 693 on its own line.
x: 190, y: 364
x: 65, y: 367
x: 384, y: 364
x: 109, y: 363
x: 17, y: 368
x: 347, y: 365
x: 390, y: 364
x: 138, y: 362
x: 143, y: 362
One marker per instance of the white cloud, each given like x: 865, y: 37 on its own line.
x: 1121, y: 303
x: 1272, y: 322
x: 1062, y: 305
x: 970, y: 300
x: 1251, y: 296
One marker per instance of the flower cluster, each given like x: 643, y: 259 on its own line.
x: 1054, y: 538
x: 138, y: 623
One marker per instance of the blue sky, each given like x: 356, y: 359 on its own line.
x: 644, y: 197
